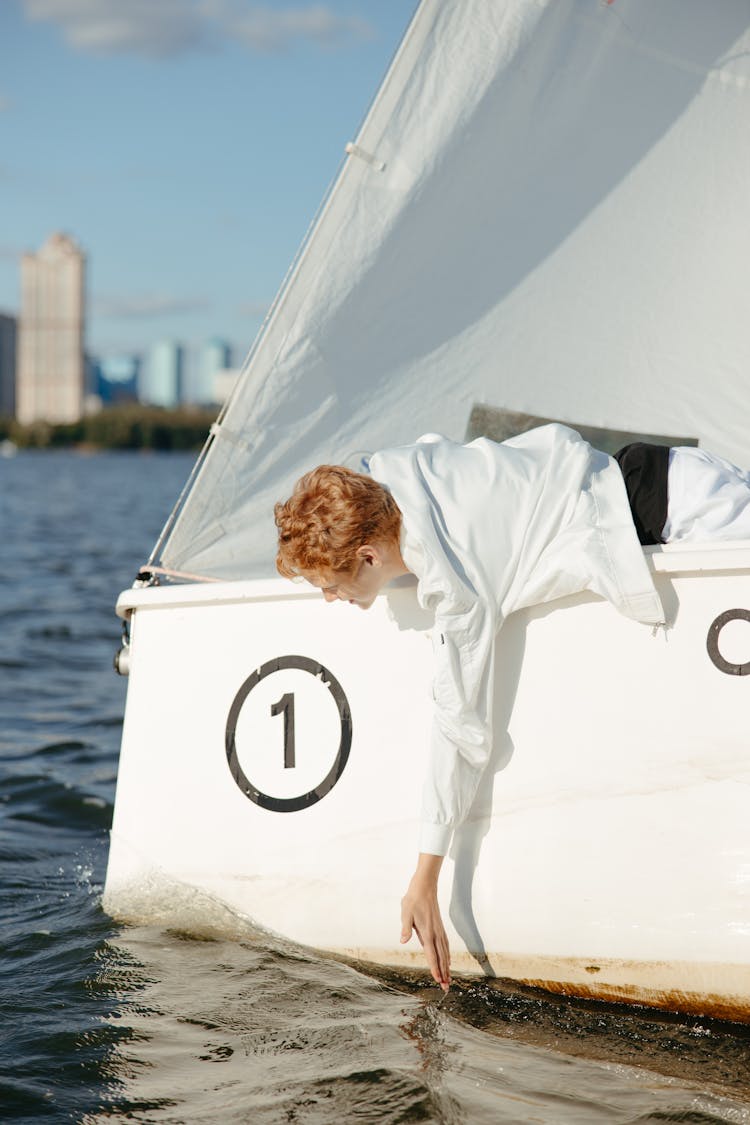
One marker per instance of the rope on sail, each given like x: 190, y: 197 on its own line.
x: 183, y: 575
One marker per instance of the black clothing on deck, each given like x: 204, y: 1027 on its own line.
x: 644, y: 468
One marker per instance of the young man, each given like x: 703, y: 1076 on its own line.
x: 489, y: 528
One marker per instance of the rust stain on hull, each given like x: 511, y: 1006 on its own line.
x: 714, y: 990
x: 710, y: 1006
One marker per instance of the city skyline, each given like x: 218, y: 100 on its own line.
x: 47, y: 374
x: 158, y: 376
x: 184, y: 147
x: 195, y: 384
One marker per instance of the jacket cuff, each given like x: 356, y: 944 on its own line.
x: 434, y: 839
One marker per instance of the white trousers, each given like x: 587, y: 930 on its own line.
x: 708, y: 498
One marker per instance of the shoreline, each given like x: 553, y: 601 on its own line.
x: 126, y: 427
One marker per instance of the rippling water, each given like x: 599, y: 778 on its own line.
x: 199, y: 1017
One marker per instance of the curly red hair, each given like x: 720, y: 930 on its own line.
x: 331, y: 513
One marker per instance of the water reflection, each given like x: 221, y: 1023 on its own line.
x: 239, y: 1026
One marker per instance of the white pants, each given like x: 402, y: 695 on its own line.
x: 708, y: 498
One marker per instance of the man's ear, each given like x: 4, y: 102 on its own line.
x: 369, y: 555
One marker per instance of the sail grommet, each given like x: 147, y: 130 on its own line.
x: 354, y: 150
x: 712, y: 642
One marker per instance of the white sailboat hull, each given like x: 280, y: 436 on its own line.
x: 609, y: 850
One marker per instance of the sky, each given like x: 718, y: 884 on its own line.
x: 184, y: 144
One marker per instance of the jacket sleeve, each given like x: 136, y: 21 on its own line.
x: 461, y: 738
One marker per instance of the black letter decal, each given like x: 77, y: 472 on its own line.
x: 286, y: 704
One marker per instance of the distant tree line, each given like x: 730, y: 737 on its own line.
x: 127, y: 426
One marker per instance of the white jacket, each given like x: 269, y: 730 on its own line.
x: 489, y: 528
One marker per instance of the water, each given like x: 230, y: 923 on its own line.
x: 199, y: 1017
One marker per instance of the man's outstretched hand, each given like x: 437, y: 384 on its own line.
x: 420, y: 912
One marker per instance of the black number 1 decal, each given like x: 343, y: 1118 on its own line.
x: 286, y: 704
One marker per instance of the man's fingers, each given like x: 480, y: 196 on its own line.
x: 444, y: 962
x: 433, y: 963
x: 442, y: 975
x: 432, y: 955
x: 407, y: 923
x: 422, y: 916
x: 437, y: 956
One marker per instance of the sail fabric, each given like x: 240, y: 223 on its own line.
x: 546, y: 210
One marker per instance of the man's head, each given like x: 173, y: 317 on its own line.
x: 340, y: 531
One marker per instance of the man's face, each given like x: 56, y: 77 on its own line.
x: 360, y: 588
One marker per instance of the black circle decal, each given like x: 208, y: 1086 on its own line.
x: 285, y: 707
x: 712, y: 642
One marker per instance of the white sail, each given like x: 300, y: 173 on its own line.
x: 546, y: 210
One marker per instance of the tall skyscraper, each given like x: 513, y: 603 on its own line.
x: 162, y: 385
x: 215, y: 356
x: 7, y: 365
x: 50, y: 372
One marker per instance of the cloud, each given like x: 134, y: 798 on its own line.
x: 161, y: 28
x: 148, y: 306
x: 266, y: 29
x: 5, y: 103
x: 146, y: 27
